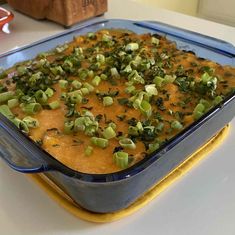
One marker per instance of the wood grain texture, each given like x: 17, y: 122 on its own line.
x: 65, y: 12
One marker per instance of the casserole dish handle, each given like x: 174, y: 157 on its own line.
x: 18, y: 151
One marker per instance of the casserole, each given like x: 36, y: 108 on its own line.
x: 110, y: 192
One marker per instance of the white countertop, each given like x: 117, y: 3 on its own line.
x: 202, y: 202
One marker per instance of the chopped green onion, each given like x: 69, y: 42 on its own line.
x: 127, y: 143
x: 113, y: 125
x: 169, y: 78
x: 121, y: 159
x: 153, y: 147
x: 130, y: 89
x: 85, y: 91
x: 128, y: 69
x: 139, y: 126
x: 63, y: 84
x: 176, y: 125
x: 79, y: 124
x: 54, y: 105
x: 217, y: 100
x: 114, y: 72
x: 107, y: 100
x: 103, y: 76
x: 151, y: 89
x: 21, y: 125
x: 133, y: 46
x: 4, y: 110
x: 198, y: 111
x: 31, y: 108
x: 158, y: 81
x: 100, y: 142
x: 89, y: 87
x: 41, y: 97
x: 106, y: 38
x: 76, y: 84
x: 5, y: 96
x: 96, y: 81
x: 145, y: 108
x: 109, y: 133
x: 91, y: 35
x: 75, y: 96
x: 155, y: 41
x: 100, y: 58
x: 21, y: 70
x: 49, y: 92
x: 13, y: 103
x: 31, y: 122
x: 135, y: 78
x: 68, y: 127
x: 88, y: 150
x: 133, y: 131
x: 57, y: 70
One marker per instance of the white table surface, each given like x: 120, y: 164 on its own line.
x: 200, y: 203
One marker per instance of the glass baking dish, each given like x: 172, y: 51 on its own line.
x: 111, y: 192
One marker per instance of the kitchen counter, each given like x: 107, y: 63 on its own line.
x: 202, y: 202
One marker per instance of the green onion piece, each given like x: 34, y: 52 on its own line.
x: 49, y: 92
x: 57, y: 70
x: 121, y: 159
x: 127, y: 143
x: 109, y: 133
x: 205, y: 77
x: 107, y: 100
x: 113, y: 125
x: 91, y: 35
x: 5, y: 96
x: 100, y: 142
x: 139, y: 126
x: 217, y: 100
x: 85, y: 91
x: 106, y: 38
x: 63, y: 96
x: 176, y: 125
x: 100, y: 58
x: 31, y: 108
x: 76, y: 84
x: 90, y: 73
x: 96, y: 81
x: 158, y: 81
x: 133, y: 131
x: 63, y: 84
x: 79, y: 124
x: 41, y: 97
x: 155, y: 41
x: 130, y: 89
x: 31, y: 122
x: 103, y: 76
x: 21, y: 125
x: 151, y: 89
x: 198, y: 111
x: 89, y: 87
x: 21, y: 70
x: 13, y: 103
x: 133, y: 46
x: 68, y: 127
x: 135, y: 78
x: 145, y: 108
x: 4, y: 110
x: 88, y: 150
x: 128, y: 69
x: 54, y: 105
x: 114, y: 72
x: 75, y: 96
x: 169, y: 78
x: 153, y: 147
